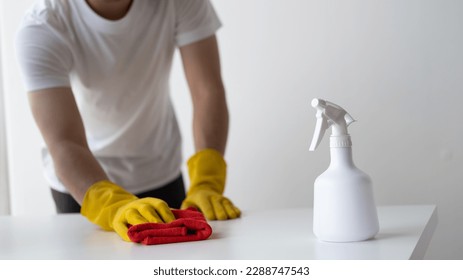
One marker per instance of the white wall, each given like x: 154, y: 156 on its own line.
x: 4, y: 188
x: 395, y: 65
x: 28, y: 190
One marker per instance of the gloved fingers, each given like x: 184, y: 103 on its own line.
x: 205, y: 205
x: 232, y: 211
x: 121, y: 228
x: 156, y: 210
x: 219, y: 209
x: 134, y: 217
x: 149, y: 214
x: 166, y: 214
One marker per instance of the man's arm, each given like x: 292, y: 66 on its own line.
x: 58, y: 119
x: 103, y: 202
x: 201, y: 63
x: 207, y: 167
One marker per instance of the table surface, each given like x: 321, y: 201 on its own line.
x: 405, y: 233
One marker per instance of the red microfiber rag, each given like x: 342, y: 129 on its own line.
x: 190, y: 225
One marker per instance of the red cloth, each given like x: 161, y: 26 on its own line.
x: 190, y: 225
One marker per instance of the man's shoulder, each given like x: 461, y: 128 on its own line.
x: 47, y: 13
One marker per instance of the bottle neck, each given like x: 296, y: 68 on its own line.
x: 341, y: 155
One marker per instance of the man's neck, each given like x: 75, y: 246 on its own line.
x: 110, y: 9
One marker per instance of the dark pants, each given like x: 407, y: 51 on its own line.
x: 173, y: 193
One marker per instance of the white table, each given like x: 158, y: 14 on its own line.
x: 268, y: 235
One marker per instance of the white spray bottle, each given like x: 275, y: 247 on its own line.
x: 344, y: 207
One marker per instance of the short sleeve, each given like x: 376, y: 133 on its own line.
x: 195, y: 20
x: 44, y: 59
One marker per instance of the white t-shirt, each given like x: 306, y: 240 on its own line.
x: 119, y: 74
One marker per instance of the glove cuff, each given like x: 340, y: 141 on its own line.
x: 101, y: 202
x: 207, y: 169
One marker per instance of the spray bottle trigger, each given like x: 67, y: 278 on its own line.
x: 320, y: 128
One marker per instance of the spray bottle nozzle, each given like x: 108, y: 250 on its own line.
x: 329, y: 115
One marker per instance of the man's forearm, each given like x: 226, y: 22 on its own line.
x: 76, y: 167
x: 58, y: 119
x: 210, y: 121
x: 201, y: 62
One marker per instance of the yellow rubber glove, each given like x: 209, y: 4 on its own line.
x: 207, y: 170
x: 113, y: 208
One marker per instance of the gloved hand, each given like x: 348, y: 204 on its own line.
x: 207, y: 170
x: 113, y: 208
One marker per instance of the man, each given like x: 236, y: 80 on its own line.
x: 97, y: 75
